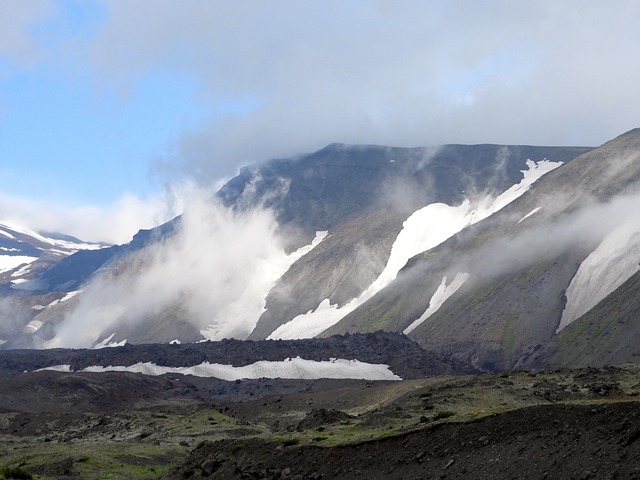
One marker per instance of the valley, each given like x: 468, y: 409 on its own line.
x: 360, y: 311
x: 61, y: 425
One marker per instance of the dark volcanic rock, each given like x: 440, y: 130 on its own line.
x: 405, y: 357
x: 551, y: 441
x: 318, y: 417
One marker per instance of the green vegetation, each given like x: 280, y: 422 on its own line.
x: 443, y: 414
x: 288, y: 442
x: 388, y: 409
x: 588, y: 340
x: 15, y: 473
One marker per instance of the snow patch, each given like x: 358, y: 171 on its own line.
x: 535, y: 170
x: 56, y: 368
x: 532, y: 212
x: 22, y: 271
x: 69, y: 246
x: 426, y: 228
x: 252, y: 304
x: 5, y: 233
x: 33, y: 326
x: 611, y: 264
x: 443, y: 292
x: 291, y: 368
x: 68, y: 296
x: 107, y: 343
x: 9, y: 262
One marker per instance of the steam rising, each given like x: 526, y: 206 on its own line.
x: 217, y: 270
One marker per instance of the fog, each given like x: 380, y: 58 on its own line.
x: 217, y: 270
x: 606, y: 232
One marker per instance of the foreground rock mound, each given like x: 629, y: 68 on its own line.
x: 548, y: 441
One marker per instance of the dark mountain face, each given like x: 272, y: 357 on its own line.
x: 366, y: 193
x: 325, y: 189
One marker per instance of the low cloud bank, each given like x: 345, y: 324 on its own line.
x: 217, y: 270
x: 115, y: 223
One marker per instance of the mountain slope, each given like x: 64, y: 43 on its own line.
x: 171, y: 284
x: 518, y: 264
x: 358, y: 249
x: 608, y: 334
x: 24, y: 252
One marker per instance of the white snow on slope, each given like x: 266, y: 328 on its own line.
x: 251, y: 305
x: 532, y: 212
x: 423, y: 230
x: 67, y: 245
x: 612, y: 263
x: 9, y: 262
x: 443, y: 292
x: 21, y: 271
x: 294, y: 368
x: 56, y: 368
x: 33, y: 326
x: 68, y: 296
x: 107, y: 343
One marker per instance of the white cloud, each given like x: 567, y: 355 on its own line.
x: 17, y: 21
x: 415, y: 73
x: 115, y: 223
x: 218, y: 269
x: 287, y: 77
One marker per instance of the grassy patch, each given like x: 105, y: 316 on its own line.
x: 288, y: 442
x: 15, y: 473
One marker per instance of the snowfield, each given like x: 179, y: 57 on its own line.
x: 293, y: 368
x: 247, y: 309
x: 67, y: 246
x: 443, y: 292
x: 532, y: 212
x: 424, y: 229
x: 611, y: 264
x: 10, y: 262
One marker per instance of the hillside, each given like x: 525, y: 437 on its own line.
x: 571, y: 423
x: 498, y: 257
x: 326, y: 225
x: 518, y: 265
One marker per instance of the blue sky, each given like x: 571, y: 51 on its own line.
x: 80, y: 144
x: 112, y: 112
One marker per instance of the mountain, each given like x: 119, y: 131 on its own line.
x: 484, y: 254
x: 24, y: 252
x: 337, y: 222
x: 555, y: 269
x: 25, y: 255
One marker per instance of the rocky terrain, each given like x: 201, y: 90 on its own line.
x: 490, y: 347
x: 403, y: 356
x: 582, y: 423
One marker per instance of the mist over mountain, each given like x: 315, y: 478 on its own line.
x: 485, y: 254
